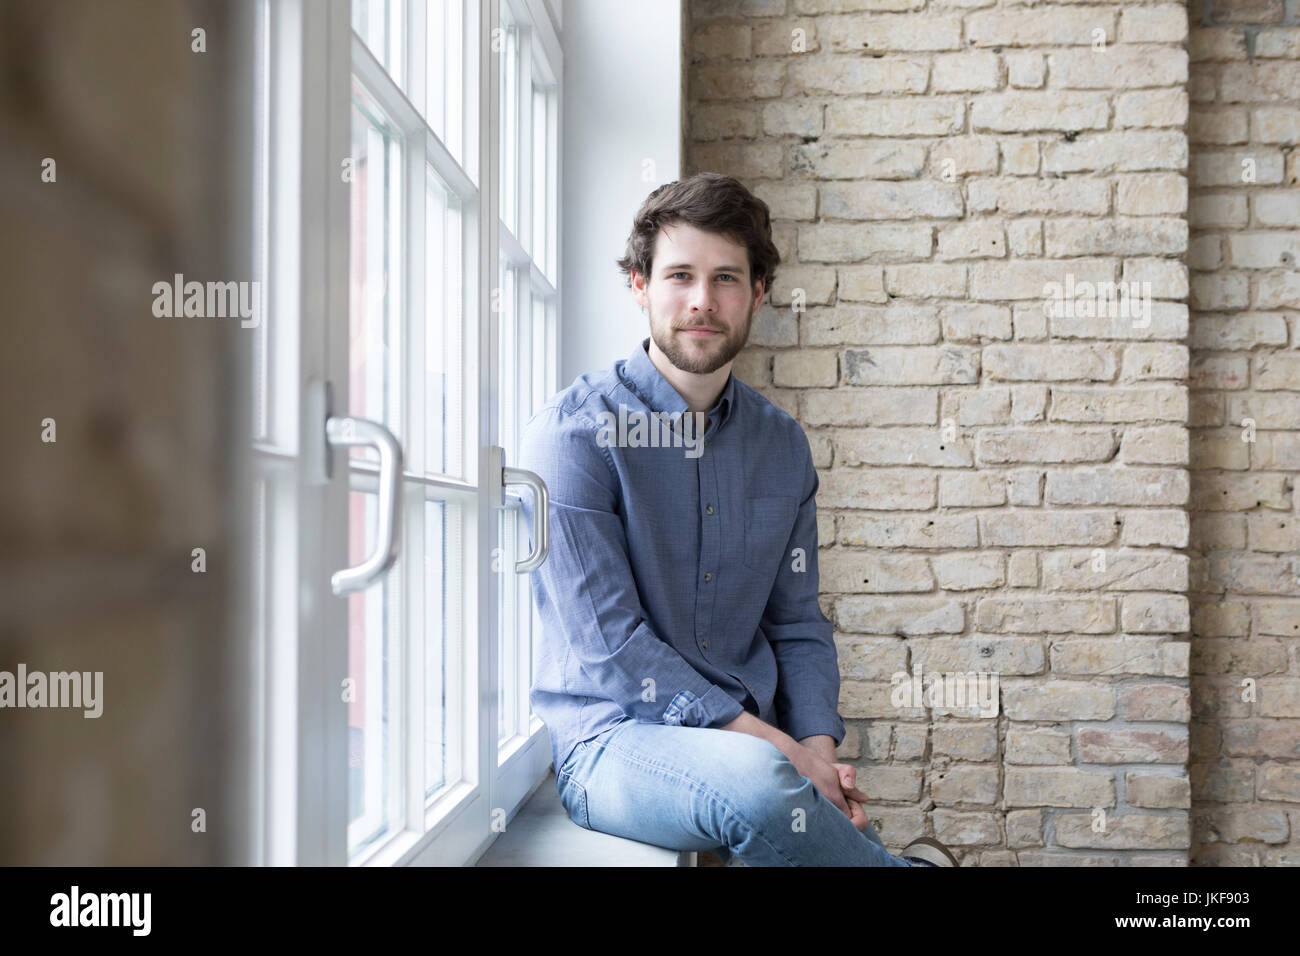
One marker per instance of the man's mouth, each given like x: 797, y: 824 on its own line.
x: 700, y: 331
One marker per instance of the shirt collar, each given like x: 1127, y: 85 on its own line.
x: 656, y: 391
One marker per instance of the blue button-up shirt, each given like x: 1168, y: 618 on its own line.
x: 681, y: 583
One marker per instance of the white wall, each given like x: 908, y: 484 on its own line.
x: 622, y: 106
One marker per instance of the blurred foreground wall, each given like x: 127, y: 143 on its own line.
x: 98, y: 526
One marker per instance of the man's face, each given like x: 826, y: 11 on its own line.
x: 699, y: 297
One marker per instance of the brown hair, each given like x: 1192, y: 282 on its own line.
x: 712, y: 202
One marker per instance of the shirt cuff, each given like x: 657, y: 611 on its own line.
x: 804, y: 725
x: 714, y: 709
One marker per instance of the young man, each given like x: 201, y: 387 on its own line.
x: 686, y: 673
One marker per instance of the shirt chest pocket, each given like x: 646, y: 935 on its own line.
x: 769, y: 519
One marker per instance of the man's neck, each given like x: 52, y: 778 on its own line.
x: 701, y: 392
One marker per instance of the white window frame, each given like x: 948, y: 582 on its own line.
x: 299, y: 773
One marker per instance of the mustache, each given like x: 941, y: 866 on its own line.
x: 698, y: 325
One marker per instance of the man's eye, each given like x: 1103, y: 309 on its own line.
x: 728, y: 277
x: 676, y: 274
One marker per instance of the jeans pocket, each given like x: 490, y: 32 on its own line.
x: 573, y: 797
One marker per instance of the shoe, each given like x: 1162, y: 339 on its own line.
x: 928, y: 851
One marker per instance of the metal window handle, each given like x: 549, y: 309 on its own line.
x: 494, y: 465
x: 541, y: 516
x: 361, y: 431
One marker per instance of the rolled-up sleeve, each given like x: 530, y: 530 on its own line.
x: 586, y: 594
x: 802, y: 639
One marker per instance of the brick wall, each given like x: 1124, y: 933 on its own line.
x: 1002, y: 490
x: 1245, y: 450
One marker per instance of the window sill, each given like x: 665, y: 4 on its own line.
x: 541, y: 834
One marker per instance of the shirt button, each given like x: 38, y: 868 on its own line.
x: 708, y: 509
x: 708, y: 576
x: 706, y: 645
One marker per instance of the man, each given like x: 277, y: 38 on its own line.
x: 686, y: 672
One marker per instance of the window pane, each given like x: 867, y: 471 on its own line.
x: 506, y: 623
x: 376, y: 285
x: 444, y: 361
x: 379, y: 24
x: 445, y: 68
x: 540, y: 151
x: 443, y: 559
x: 373, y: 770
x: 509, y: 78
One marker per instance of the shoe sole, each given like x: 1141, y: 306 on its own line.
x: 930, y: 850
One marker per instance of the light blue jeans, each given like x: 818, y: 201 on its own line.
x: 701, y: 788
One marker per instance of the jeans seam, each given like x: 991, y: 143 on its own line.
x: 711, y: 794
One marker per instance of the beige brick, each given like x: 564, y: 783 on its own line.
x: 940, y: 365
x: 1158, y: 791
x: 1025, y: 280
x: 1168, y: 528
x: 969, y: 742
x: 971, y: 70
x: 788, y: 200
x: 1025, y: 238
x: 1037, y: 746
x: 1051, y: 26
x: 1228, y: 168
x: 1123, y: 569
x: 1122, y: 67
x: 1058, y: 787
x: 1126, y: 831
x: 972, y: 491
x: 1053, y: 528
x: 853, y: 74
x: 1145, y: 361
x: 785, y: 38
x: 1164, y: 23
x: 909, y: 531
x: 1151, y: 194
x: 1275, y: 125
x: 759, y: 79
x: 1020, y: 157
x: 899, y: 615
x: 1128, y: 151
x: 1025, y: 111
x: 722, y: 41
x: 926, y: 280
x: 1117, y: 656
x: 851, y: 572
x: 1040, y: 614
x: 1025, y: 828
x: 963, y: 155
x: 891, y: 32
x: 804, y: 368
x: 1102, y: 485
x: 711, y: 121
x: 871, y: 325
x: 1217, y: 126
x: 1026, y: 70
x: 1155, y: 445
x: 1134, y: 404
x: 816, y: 282
x: 837, y: 159
x: 851, y: 242
x: 870, y: 406
x: 862, y: 284
x: 1019, y: 196
x: 964, y: 785
x: 976, y: 239
x: 784, y: 118
x: 889, y: 488
x: 1152, y: 613
x: 972, y: 322
x: 1122, y: 745
x: 1163, y: 702
x: 964, y: 572
x: 885, y: 200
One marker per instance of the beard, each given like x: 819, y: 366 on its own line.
x: 701, y: 357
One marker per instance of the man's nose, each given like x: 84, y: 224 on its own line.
x: 702, y: 297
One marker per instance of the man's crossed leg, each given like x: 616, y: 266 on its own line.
x: 699, y: 788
